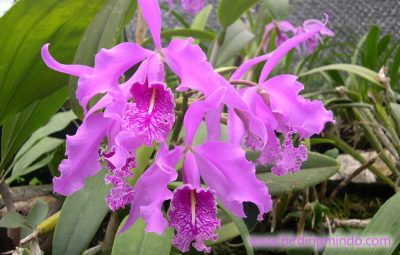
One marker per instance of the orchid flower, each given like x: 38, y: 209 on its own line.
x: 223, y: 167
x: 282, y: 29
x: 276, y: 101
x: 135, y: 113
x: 285, y: 30
x: 141, y: 109
x: 191, y: 6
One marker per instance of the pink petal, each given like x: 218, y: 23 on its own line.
x: 152, y: 15
x: 82, y: 155
x: 246, y: 66
x: 284, y: 48
x: 225, y: 169
x: 306, y: 117
x: 151, y: 191
x: 193, y: 213
x: 189, y: 62
x: 193, y: 6
x: 197, y: 110
x: 76, y: 70
x: 151, y: 115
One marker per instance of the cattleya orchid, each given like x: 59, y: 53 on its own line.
x: 140, y: 112
x: 191, y: 6
x: 278, y: 104
x: 285, y: 30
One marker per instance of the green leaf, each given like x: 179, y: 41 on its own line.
x: 383, y: 44
x: 352, y: 69
x: 385, y: 223
x: 237, y: 36
x: 24, y: 78
x: 186, y: 32
x: 103, y: 32
x: 200, y: 21
x: 22, y: 162
x: 395, y: 110
x: 227, y: 232
x: 244, y: 232
x: 394, y: 69
x: 81, y: 216
x: 371, y: 48
x: 57, y: 123
x: 137, y: 241
x: 13, y: 220
x: 279, y: 10
x: 38, y: 145
x: 229, y: 11
x: 316, y: 169
x: 37, y: 214
x: 17, y: 129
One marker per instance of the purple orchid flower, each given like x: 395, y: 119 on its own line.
x: 140, y: 109
x: 311, y: 44
x: 224, y: 169
x: 279, y: 106
x: 285, y: 30
x: 191, y: 6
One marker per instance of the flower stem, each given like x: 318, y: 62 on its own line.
x: 179, y: 121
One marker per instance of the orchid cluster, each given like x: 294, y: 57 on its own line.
x: 140, y: 112
x: 284, y: 30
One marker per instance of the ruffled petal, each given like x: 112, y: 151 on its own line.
x: 151, y: 190
x: 193, y: 214
x: 152, y: 15
x: 151, y: 115
x: 284, y: 158
x: 291, y: 157
x: 306, y: 117
x: 82, y: 155
x: 225, y: 169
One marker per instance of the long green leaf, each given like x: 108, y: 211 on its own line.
x: 244, y: 232
x: 23, y: 163
x: 371, y: 48
x: 236, y: 38
x: 137, y: 241
x: 13, y: 220
x: 394, y: 69
x: 102, y: 33
x: 17, y: 129
x: 229, y: 11
x: 353, y: 69
x: 81, y: 216
x: 186, y: 32
x: 200, y: 21
x: 316, y: 169
x: 278, y: 9
x: 57, y: 123
x: 37, y: 214
x: 24, y: 29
